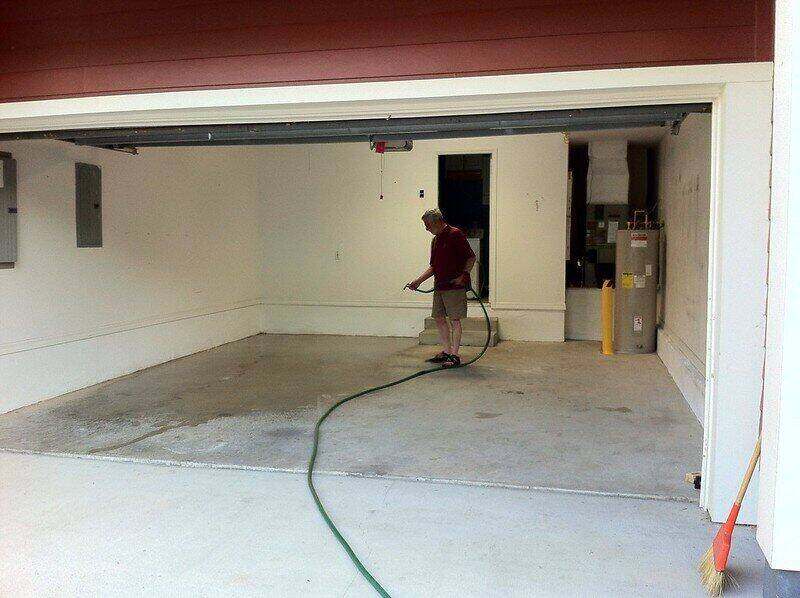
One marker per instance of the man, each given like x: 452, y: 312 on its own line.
x: 451, y: 262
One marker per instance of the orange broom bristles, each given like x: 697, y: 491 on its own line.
x: 712, y: 566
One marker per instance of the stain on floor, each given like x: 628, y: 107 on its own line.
x: 615, y: 409
x: 485, y: 415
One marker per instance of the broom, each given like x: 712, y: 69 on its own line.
x: 712, y: 567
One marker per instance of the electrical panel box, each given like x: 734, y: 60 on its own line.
x: 8, y: 210
x: 88, y: 205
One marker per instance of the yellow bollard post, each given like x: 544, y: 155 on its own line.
x: 607, y: 317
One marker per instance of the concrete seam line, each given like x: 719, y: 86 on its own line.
x: 348, y: 474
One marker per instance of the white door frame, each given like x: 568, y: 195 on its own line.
x: 741, y: 97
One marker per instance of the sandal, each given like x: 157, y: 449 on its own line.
x: 440, y: 357
x: 452, y: 361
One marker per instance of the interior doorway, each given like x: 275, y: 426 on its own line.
x: 464, y: 201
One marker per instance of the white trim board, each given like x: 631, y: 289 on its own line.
x: 685, y: 371
x: 737, y: 274
x: 426, y: 97
x: 778, y: 516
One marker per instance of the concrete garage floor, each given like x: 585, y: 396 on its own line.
x: 528, y: 415
x: 74, y: 527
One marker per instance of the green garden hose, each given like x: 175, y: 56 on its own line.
x: 315, y: 448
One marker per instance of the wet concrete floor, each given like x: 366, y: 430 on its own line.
x: 555, y: 415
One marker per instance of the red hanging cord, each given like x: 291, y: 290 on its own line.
x: 383, y: 156
x: 380, y: 148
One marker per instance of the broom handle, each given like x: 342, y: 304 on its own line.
x: 749, y: 474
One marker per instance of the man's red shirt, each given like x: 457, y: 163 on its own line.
x: 450, y: 251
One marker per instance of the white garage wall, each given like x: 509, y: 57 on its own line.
x: 325, y: 198
x: 178, y: 271
x: 684, y: 192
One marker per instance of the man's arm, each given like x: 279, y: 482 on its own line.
x: 462, y: 278
x: 414, y: 284
x: 469, y: 261
x: 469, y: 264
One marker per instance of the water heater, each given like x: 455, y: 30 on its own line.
x: 635, y: 291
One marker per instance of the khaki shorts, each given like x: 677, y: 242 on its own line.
x: 452, y: 304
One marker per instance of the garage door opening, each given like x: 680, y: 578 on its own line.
x: 268, y: 245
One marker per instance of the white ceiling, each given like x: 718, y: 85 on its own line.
x: 644, y: 135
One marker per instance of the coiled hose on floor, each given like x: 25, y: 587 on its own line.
x: 315, y: 448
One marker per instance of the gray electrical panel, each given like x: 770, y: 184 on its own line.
x: 8, y: 210
x: 635, y: 291
x: 88, y: 205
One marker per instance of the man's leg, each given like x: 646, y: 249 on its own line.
x: 456, y: 306
x: 456, y: 343
x: 444, y: 333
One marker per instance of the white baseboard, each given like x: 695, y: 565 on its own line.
x: 404, y: 321
x: 345, y: 320
x: 41, y: 371
x: 685, y: 369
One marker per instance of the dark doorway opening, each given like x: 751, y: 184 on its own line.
x: 464, y: 201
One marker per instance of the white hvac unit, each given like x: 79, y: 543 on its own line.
x: 607, y: 177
